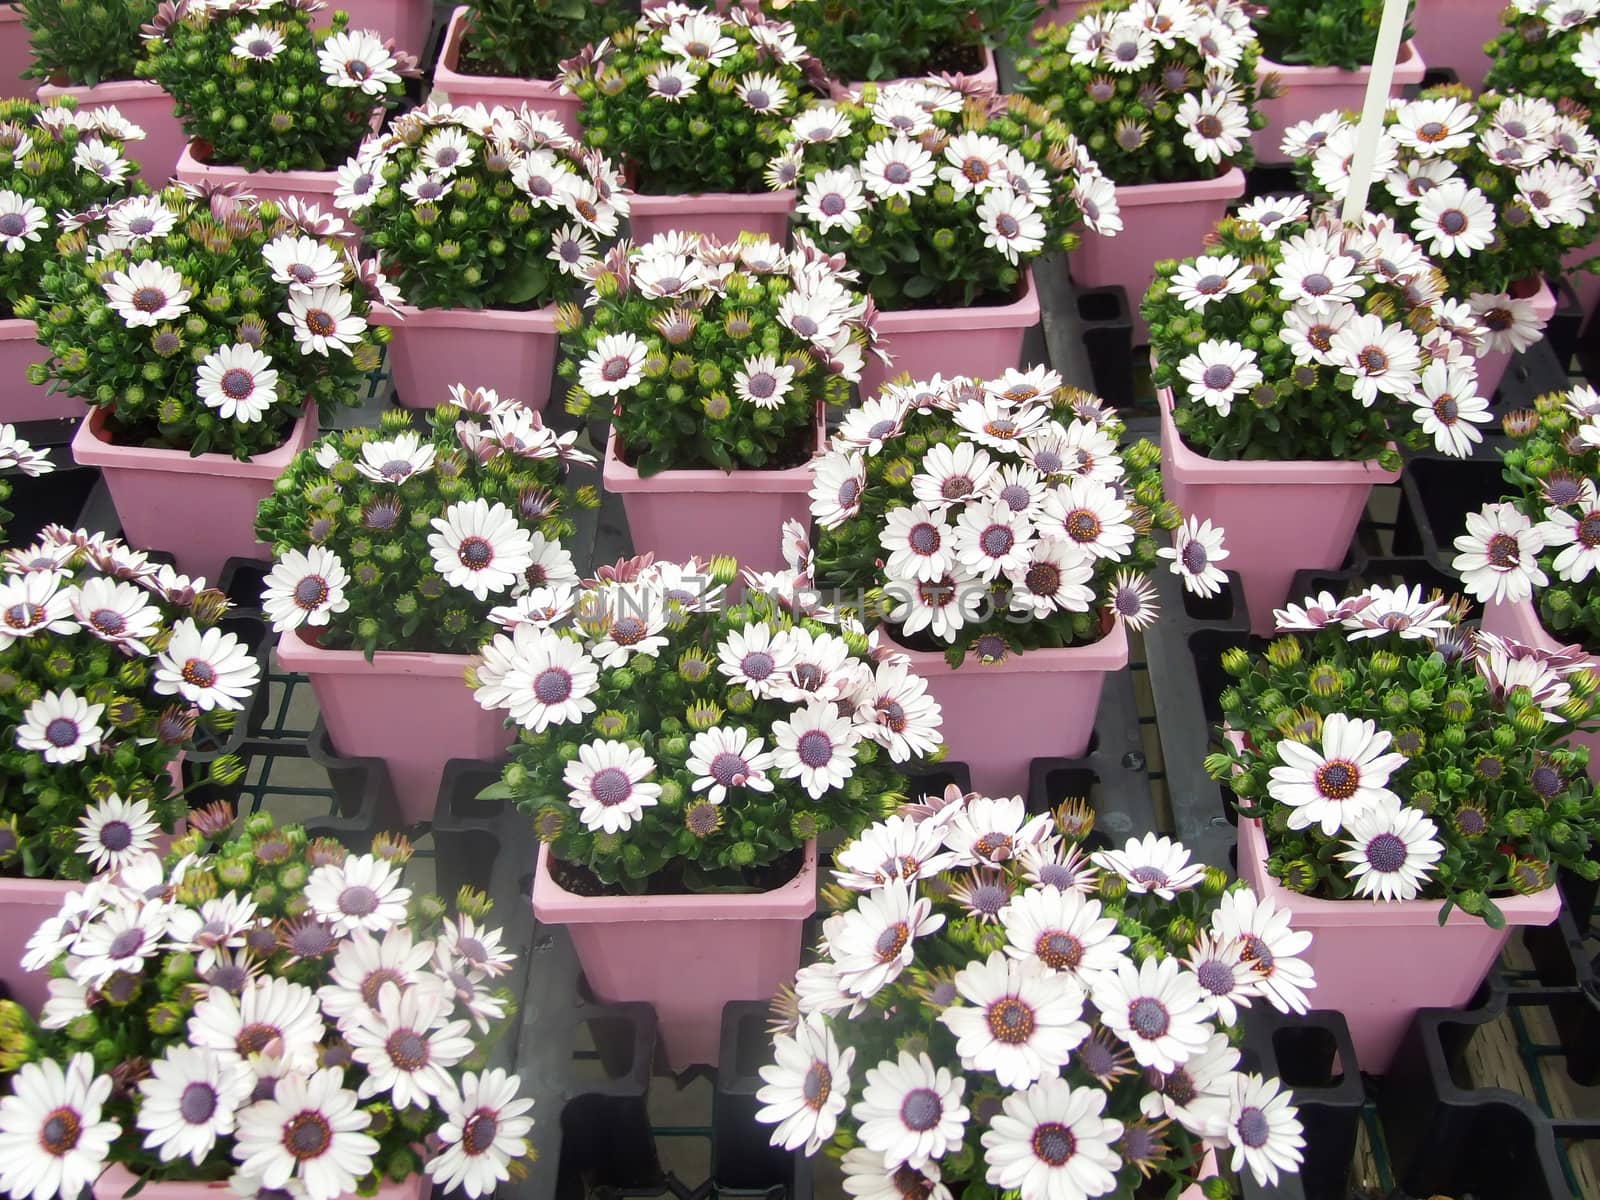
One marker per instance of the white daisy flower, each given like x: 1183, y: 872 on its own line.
x: 1154, y: 865
x: 868, y: 1177
x: 447, y: 151
x: 1051, y: 1142
x: 212, y: 669
x: 1309, y: 330
x: 52, y: 1140
x: 895, y: 848
x: 1556, y: 193
x: 897, y: 166
x: 635, y: 619
x: 1132, y: 598
x: 974, y: 163
x: 988, y: 830
x: 763, y: 381
x: 426, y: 187
x: 551, y: 681
x: 147, y: 294
x: 1449, y: 408
x: 217, y: 926
x: 1096, y: 198
x: 822, y: 123
x: 1011, y: 224
x: 1578, y: 533
x: 358, y: 183
x: 1412, y: 180
x: 303, y: 262
x: 115, y: 831
x: 309, y: 1133
x: 1434, y: 127
x: 1348, y: 776
x: 363, y: 892
x: 125, y: 938
x: 408, y: 1046
x: 485, y: 1127
x: 813, y: 317
x: 238, y: 381
x: 614, y: 365
x: 1128, y: 47
x: 756, y: 658
x: 1499, y: 559
x: 1091, y: 516
x: 480, y: 547
x: 725, y: 757
x: 1021, y: 1021
x: 358, y: 59
x: 1209, y: 279
x: 897, y: 712
x: 943, y: 606
x: 699, y: 36
x: 763, y: 93
x: 1053, y: 576
x: 990, y: 539
x: 62, y: 726
x: 806, y: 1088
x: 872, y: 943
x: 838, y: 482
x: 1226, y: 980
x: 672, y: 82
x: 911, y: 1111
x: 1392, y: 850
x: 258, y: 43
x: 1269, y: 212
x: 1195, y: 1094
x: 97, y: 158
x: 572, y: 249
x: 1216, y: 126
x: 322, y: 321
x: 1263, y: 1129
x: 897, y: 110
x: 1332, y: 162
x: 1380, y: 357
x: 608, y: 783
x: 116, y: 611
x: 1218, y: 371
x: 1063, y: 930
x: 1453, y: 219
x: 1317, y: 275
x: 1400, y: 611
x: 1509, y: 322
x: 20, y: 221
x: 821, y: 667
x: 816, y: 746
x: 304, y: 588
x: 1156, y: 1008
x: 833, y: 200
x: 363, y: 964
x: 1021, y: 489
x: 869, y: 427
x: 189, y: 1100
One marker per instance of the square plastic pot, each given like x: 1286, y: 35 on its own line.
x: 686, y: 956
x: 1379, y: 962
x: 1520, y: 622
x: 721, y: 215
x: 432, y: 348
x: 1277, y: 517
x: 16, y: 55
x: 147, y: 106
x: 316, y: 187
x: 1311, y: 91
x: 1000, y: 716
x: 115, y: 1181
x: 1452, y: 34
x: 19, y: 399
x: 199, y: 508
x: 408, y: 22
x: 540, y: 95
x: 1492, y: 367
x: 677, y: 514
x: 1584, y: 284
x: 411, y: 709
x: 986, y: 76
x: 25, y: 904
x: 982, y: 341
x: 1159, y: 221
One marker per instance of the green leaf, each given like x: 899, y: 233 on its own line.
x: 919, y: 286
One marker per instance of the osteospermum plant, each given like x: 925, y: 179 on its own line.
x: 715, y: 354
x: 988, y: 518
x: 892, y: 39
x: 84, y: 44
x: 673, y: 743
x: 1320, y: 33
x: 1157, y: 92
x: 257, y: 87
x: 205, y: 323
x: 689, y: 100
x: 997, y: 1010
x: 1393, y: 752
x: 56, y: 162
x: 528, y: 39
x: 271, y: 1011
x: 399, y: 539
x: 109, y: 667
x: 1550, y: 52
x: 940, y: 199
x: 1294, y: 336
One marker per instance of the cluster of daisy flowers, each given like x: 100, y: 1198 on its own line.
x: 940, y: 196
x: 997, y: 516
x: 693, y: 100
x: 1394, y: 752
x: 1294, y: 336
x: 1496, y: 190
x: 279, y: 1012
x: 263, y: 89
x: 1550, y: 51
x: 669, y: 739
x: 715, y: 354
x: 1162, y: 90
x: 1542, y: 542
x: 992, y: 1002
x: 110, y: 664
x: 394, y: 539
x: 483, y: 208
x: 207, y: 320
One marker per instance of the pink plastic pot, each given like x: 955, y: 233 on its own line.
x: 1492, y: 367
x: 1520, y: 622
x: 1040, y: 704
x: 433, y: 348
x: 1311, y: 91
x: 1159, y: 221
x: 1585, y: 283
x: 1378, y: 962
x: 317, y: 187
x: 677, y: 514
x: 1062, y: 12
x: 25, y: 904
x: 16, y: 55
x: 147, y: 106
x: 410, y: 708
x: 19, y: 399
x: 722, y: 215
x: 408, y: 22
x: 541, y: 95
x: 115, y: 1181
x: 686, y: 956
x: 201, y: 508
x: 981, y: 342
x: 988, y: 75
x: 1452, y: 33
x: 1277, y: 517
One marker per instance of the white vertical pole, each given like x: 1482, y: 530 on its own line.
x: 1383, y: 60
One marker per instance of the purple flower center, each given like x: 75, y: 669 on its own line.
x: 24, y: 615
x: 761, y: 385
x: 817, y: 1084
x: 757, y: 665
x: 1059, y: 950
x: 1195, y: 559
x: 1453, y: 221
x: 758, y: 99
x: 611, y: 786
x: 814, y: 748
x: 552, y: 685
x: 1386, y: 853
x: 805, y: 326
x: 479, y: 1131
x: 923, y: 538
x: 616, y: 368
x: 13, y: 224
x: 1053, y: 1143
x: 197, y: 1103
x: 891, y: 942
x: 475, y: 553
x: 311, y: 592
x: 407, y: 1049
x: 1006, y: 226
x: 1258, y: 952
x: 108, y: 621
x: 307, y: 1135
x: 149, y: 299
x: 921, y: 1110
x: 1218, y: 377
x: 1216, y: 977
x: 1148, y: 1017
x: 832, y: 204
x: 1253, y: 1127
x: 1151, y: 877
x: 116, y: 836
x: 61, y: 732
x: 997, y: 540
x: 59, y: 1132
x: 237, y: 384
x: 729, y: 769
x: 897, y: 173
x: 126, y: 943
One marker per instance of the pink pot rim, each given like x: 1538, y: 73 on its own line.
x: 21, y: 888
x: 696, y: 203
x: 1538, y: 636
x: 1408, y: 68
x: 9, y: 15
x: 1230, y: 185
x: 1541, y: 908
x: 300, y: 654
x: 795, y: 900
x: 618, y: 476
x: 1110, y: 653
x: 16, y: 329
x: 117, y: 91
x: 1197, y: 468
x: 500, y: 320
x: 1021, y: 313
x: 91, y: 447
x: 508, y: 87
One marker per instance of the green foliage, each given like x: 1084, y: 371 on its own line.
x: 527, y: 39
x: 859, y: 40
x: 1540, y: 55
x: 53, y: 176
x: 1321, y: 33
x: 85, y: 42
x: 737, y: 83
x: 937, y: 242
x: 148, y: 375
x: 1150, y: 125
x: 263, y: 90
